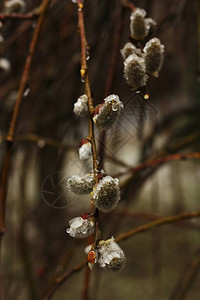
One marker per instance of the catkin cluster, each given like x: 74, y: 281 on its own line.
x: 105, y: 195
x: 108, y: 255
x: 141, y: 60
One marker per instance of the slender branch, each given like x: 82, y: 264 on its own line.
x: 187, y: 276
x: 162, y: 221
x: 152, y: 217
x: 60, y: 280
x: 20, y: 17
x: 41, y: 141
x: 84, y: 75
x: 3, y: 189
x: 161, y: 160
x: 122, y: 237
x: 91, y: 137
x: 128, y: 4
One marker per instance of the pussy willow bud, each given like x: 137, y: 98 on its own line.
x: 81, y: 185
x: 135, y: 71
x: 130, y: 49
x: 4, y: 66
x: 81, y: 106
x: 106, y: 194
x: 111, y: 255
x: 106, y: 114
x: 138, y: 26
x: 81, y: 228
x: 92, y: 258
x: 15, y: 6
x: 85, y: 150
x: 153, y: 54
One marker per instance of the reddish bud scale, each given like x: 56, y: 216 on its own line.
x: 82, y: 142
x: 96, y: 110
x: 101, y: 176
x: 91, y: 257
x: 85, y: 216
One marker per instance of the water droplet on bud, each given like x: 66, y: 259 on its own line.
x: 87, y: 53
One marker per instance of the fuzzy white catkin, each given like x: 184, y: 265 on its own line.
x: 138, y: 26
x: 81, y: 106
x: 111, y: 256
x: 106, y: 194
x: 15, y: 6
x: 135, y: 71
x: 81, y: 185
x: 153, y: 55
x: 85, y: 151
x: 4, y: 65
x: 80, y: 228
x: 108, y: 112
x: 130, y: 49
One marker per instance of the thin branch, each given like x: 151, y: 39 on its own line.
x: 187, y: 276
x: 161, y: 160
x: 39, y: 140
x: 3, y: 189
x: 128, y: 4
x: 152, y: 217
x: 60, y: 280
x: 91, y: 137
x: 20, y: 17
x: 85, y: 77
x: 162, y: 221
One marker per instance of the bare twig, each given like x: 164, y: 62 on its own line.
x: 20, y: 17
x: 3, y: 189
x: 91, y: 137
x: 187, y: 276
x: 60, y: 280
x: 161, y: 160
x: 39, y: 140
x: 128, y: 4
x: 162, y: 221
x: 151, y: 217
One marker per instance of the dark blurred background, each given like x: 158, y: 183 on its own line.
x: 36, y: 247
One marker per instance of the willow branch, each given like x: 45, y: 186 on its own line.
x: 21, y: 17
x: 160, y: 222
x: 187, y: 276
x: 122, y: 237
x: 84, y: 75
x: 39, y: 140
x: 153, y: 217
x: 128, y: 4
x: 4, y: 179
x: 161, y: 160
x: 60, y: 280
x: 91, y: 137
